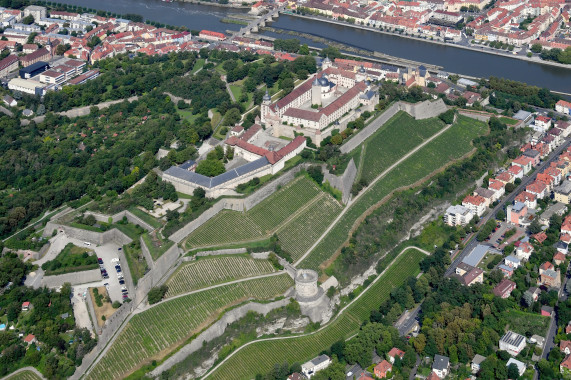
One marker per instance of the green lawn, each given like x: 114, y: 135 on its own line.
x: 198, y: 65
x: 156, y: 246
x: 145, y: 217
x: 71, y: 259
x: 522, y: 322
x: 395, y: 139
x: 135, y: 260
x: 187, y: 115
x: 129, y: 229
x: 452, y: 144
x: 236, y: 91
x: 508, y: 120
x: 261, y: 356
x: 216, y: 117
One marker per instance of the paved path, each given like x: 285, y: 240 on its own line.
x: 324, y: 326
x: 380, y: 176
x: 6, y: 111
x: 31, y: 369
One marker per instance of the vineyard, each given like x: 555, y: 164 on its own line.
x: 24, y: 375
x: 157, y: 331
x: 215, y: 270
x: 451, y: 145
x: 397, y: 137
x: 232, y: 226
x: 260, y: 357
x: 300, y: 233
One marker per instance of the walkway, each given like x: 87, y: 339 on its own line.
x: 380, y: 176
x: 31, y: 369
x: 325, y: 326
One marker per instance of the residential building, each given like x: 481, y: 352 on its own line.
x: 546, y: 311
x: 538, y: 188
x: 476, y: 362
x: 382, y: 369
x: 42, y: 54
x: 393, y: 353
x: 563, y: 107
x: 211, y: 36
x: 30, y: 338
x: 36, y: 11
x: 524, y: 162
x: 487, y: 194
x: 562, y: 193
x: 555, y: 209
x: 559, y: 258
x: 520, y: 366
x: 529, y: 199
x: 476, y: 204
x: 512, y: 262
x: 512, y: 342
x: 524, y: 250
x: 516, y: 213
x: 316, y: 364
x: 533, y: 293
x: 565, y: 366
x: 8, y: 64
x: 562, y: 249
x: 458, y: 215
x: 441, y: 366
x: 498, y: 187
x: 9, y: 101
x: 507, y: 271
x: 516, y: 171
x: 26, y: 306
x: 543, y: 122
x: 504, y: 288
x: 433, y: 376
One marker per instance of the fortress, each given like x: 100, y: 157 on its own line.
x: 327, y: 101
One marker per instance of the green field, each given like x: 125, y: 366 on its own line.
x: 232, y: 226
x: 158, y: 330
x: 300, y: 233
x: 156, y: 246
x: 24, y: 375
x: 452, y: 144
x: 197, y: 65
x: 213, y: 270
x: 393, y: 140
x: 145, y: 217
x: 236, y: 91
x: 261, y: 356
x: 522, y: 322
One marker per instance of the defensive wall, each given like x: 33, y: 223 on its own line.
x: 98, y: 238
x: 132, y: 218
x: 343, y: 182
x: 236, y: 204
x: 216, y: 330
x: 146, y: 252
x: 74, y: 278
x: 419, y: 111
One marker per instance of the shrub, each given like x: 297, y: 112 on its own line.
x: 156, y: 294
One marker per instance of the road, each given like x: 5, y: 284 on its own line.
x: 32, y: 369
x: 405, y: 326
x: 507, y: 200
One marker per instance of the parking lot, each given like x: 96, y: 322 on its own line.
x: 107, y: 253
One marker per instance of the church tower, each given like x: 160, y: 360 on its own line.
x: 316, y: 92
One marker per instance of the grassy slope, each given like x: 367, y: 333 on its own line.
x: 452, y: 144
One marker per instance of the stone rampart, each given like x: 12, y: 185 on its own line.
x: 233, y: 251
x: 132, y: 218
x: 343, y: 182
x: 260, y: 255
x: 146, y: 252
x: 236, y: 204
x: 216, y: 330
x: 74, y: 278
x: 156, y: 275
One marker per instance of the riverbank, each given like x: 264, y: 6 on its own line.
x: 479, y: 50
x: 229, y: 5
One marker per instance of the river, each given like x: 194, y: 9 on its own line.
x: 473, y: 63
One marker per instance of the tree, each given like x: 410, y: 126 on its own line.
x: 535, y: 227
x: 501, y: 215
x: 536, y: 48
x: 28, y: 20
x: 210, y: 168
x: 315, y: 173
x: 199, y: 193
x: 156, y: 294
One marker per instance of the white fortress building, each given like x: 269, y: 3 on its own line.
x: 326, y: 101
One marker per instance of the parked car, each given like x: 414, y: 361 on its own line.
x: 121, y: 281
x: 106, y: 286
x: 100, y: 260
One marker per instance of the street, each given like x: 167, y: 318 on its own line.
x: 506, y: 201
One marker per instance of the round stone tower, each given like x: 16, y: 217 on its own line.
x: 306, y: 283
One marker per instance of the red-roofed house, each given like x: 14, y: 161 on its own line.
x: 565, y: 346
x: 498, y: 187
x: 516, y: 171
x: 558, y: 258
x: 504, y: 288
x: 30, y: 338
x: 476, y: 204
x: 524, y: 162
x: 540, y: 237
x: 538, y: 188
x: 543, y: 122
x: 524, y: 251
x: 529, y: 199
x: 563, y: 107
x: 565, y: 366
x: 505, y: 177
x: 382, y: 369
x: 394, y: 352
x: 26, y: 306
x: 211, y: 36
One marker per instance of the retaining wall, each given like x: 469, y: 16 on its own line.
x: 157, y: 274
x: 222, y: 252
x: 260, y: 255
x: 93, y: 237
x: 343, y: 182
x: 146, y: 252
x: 119, y: 216
x: 216, y: 330
x: 236, y: 204
x: 74, y: 278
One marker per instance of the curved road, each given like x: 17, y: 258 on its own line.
x: 31, y: 369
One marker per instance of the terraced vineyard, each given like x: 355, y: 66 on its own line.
x: 452, y: 144
x: 232, y: 226
x: 215, y: 270
x: 395, y: 139
x: 300, y: 233
x: 24, y: 375
x: 158, y: 330
x: 260, y: 357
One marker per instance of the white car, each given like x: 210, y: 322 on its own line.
x: 115, y: 260
x: 87, y: 243
x: 106, y: 286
